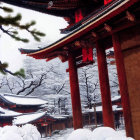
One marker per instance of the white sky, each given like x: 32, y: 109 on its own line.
x: 50, y: 25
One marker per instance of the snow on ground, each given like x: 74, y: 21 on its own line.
x: 26, y: 132
x: 60, y: 135
x: 30, y: 132
x: 100, y: 133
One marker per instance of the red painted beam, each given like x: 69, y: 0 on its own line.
x: 123, y: 85
x: 75, y: 93
x: 82, y: 65
x: 108, y: 118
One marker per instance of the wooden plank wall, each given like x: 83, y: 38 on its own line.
x: 130, y: 44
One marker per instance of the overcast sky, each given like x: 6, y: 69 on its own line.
x: 50, y: 25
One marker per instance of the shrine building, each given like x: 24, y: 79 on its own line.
x: 20, y: 103
x: 99, y: 24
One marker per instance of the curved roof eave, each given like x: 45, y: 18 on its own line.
x: 42, y: 114
x: 111, y: 10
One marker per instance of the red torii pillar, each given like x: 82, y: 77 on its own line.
x: 108, y: 118
x: 75, y: 92
x: 123, y: 85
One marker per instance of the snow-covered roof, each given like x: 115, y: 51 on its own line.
x: 116, y: 98
x: 8, y: 113
x: 99, y: 109
x: 60, y: 117
x: 110, y: 50
x: 22, y: 100
x: 28, y: 118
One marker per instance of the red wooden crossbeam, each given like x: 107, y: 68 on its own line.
x: 82, y: 65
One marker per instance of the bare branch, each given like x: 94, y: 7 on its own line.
x: 24, y: 88
x: 10, y: 86
x: 43, y: 76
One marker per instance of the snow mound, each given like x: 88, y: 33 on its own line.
x: 100, y: 133
x: 119, y: 138
x: 26, y: 132
x: 80, y: 134
x: 13, y: 129
x: 30, y: 132
x: 11, y: 135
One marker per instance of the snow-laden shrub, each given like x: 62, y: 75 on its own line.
x: 6, y: 129
x: 119, y: 138
x: 9, y: 135
x: 30, y: 132
x: 100, y: 133
x: 26, y: 132
x: 10, y: 132
x: 80, y: 134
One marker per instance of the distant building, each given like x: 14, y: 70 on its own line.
x: 21, y: 103
x: 6, y: 116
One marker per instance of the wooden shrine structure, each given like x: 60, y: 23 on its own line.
x: 97, y: 24
x: 6, y: 116
x: 37, y: 118
x: 21, y: 103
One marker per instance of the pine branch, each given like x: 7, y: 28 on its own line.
x: 4, y: 70
x: 36, y: 34
x: 15, y: 21
x: 8, y: 20
x: 13, y: 35
x: 6, y: 9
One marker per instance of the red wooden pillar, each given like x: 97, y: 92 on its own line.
x: 123, y: 85
x: 75, y: 93
x: 108, y: 118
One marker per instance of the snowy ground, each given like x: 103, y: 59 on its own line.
x: 64, y: 134
x: 61, y: 135
x: 30, y: 132
x: 26, y: 132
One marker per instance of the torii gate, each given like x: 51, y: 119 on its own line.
x: 101, y: 29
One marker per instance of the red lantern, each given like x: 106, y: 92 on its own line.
x: 78, y: 15
x: 87, y: 54
x: 107, y: 1
x: 44, y: 124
